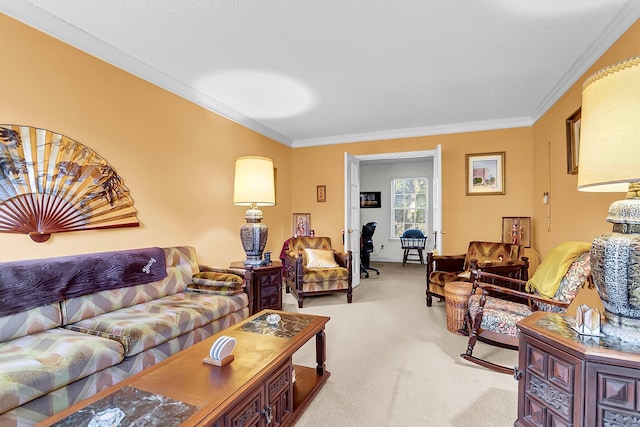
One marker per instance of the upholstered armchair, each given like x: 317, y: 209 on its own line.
x: 501, y: 259
x: 312, y: 267
x: 494, y: 319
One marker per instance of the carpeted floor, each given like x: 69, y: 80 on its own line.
x: 393, y: 362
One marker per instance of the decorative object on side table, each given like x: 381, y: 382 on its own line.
x: 254, y: 186
x: 609, y: 159
x: 587, y: 320
x: 301, y: 224
x: 516, y: 230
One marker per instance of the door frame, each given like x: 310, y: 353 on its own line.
x: 436, y: 208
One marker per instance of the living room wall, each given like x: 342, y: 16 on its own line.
x: 464, y: 218
x: 530, y: 171
x: 176, y: 158
x: 574, y: 215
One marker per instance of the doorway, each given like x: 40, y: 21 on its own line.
x: 391, y: 162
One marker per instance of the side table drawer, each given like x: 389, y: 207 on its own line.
x: 618, y: 394
x: 549, y: 383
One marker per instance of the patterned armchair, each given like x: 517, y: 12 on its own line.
x: 312, y: 267
x: 501, y: 259
x: 494, y: 320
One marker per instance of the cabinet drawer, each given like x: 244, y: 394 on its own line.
x: 280, y: 394
x: 248, y: 413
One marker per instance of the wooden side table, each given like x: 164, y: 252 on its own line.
x: 572, y: 380
x: 266, y: 285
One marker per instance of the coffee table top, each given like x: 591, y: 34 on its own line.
x: 186, y: 382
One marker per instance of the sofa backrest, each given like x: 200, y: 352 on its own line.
x: 30, y: 321
x: 493, y: 251
x: 179, y: 264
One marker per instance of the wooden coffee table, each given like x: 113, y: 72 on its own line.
x: 260, y: 386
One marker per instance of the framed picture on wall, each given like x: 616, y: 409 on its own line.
x: 370, y: 199
x: 485, y: 174
x: 516, y: 230
x: 573, y: 141
x: 321, y: 193
x: 301, y: 224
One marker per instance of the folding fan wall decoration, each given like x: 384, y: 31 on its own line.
x: 52, y: 184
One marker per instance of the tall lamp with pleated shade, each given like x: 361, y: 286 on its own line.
x: 254, y: 186
x: 609, y: 161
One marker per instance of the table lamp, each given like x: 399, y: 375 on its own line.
x: 609, y: 161
x: 253, y: 187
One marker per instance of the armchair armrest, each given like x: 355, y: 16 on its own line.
x: 343, y: 258
x: 451, y: 263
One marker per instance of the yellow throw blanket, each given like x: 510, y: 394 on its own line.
x: 554, y: 266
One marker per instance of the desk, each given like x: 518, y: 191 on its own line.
x: 265, y: 283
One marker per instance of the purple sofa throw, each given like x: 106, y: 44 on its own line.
x: 33, y: 283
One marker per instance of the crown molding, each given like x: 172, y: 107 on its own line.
x: 73, y: 36
x: 627, y: 16
x: 514, y: 122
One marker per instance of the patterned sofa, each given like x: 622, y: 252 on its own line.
x: 72, y: 326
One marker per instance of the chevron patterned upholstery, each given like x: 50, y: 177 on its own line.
x: 303, y: 281
x: 62, y: 352
x: 504, y: 259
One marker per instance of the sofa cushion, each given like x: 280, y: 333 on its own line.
x: 36, y: 364
x: 216, y: 278
x: 181, y: 264
x: 30, y: 321
x: 146, y: 325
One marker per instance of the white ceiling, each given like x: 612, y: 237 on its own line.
x: 312, y: 72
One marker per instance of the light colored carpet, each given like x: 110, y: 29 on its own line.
x: 393, y: 362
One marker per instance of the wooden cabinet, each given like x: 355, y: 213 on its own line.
x: 269, y: 404
x: 570, y: 380
x: 266, y: 285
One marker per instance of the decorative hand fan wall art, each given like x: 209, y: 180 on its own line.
x: 52, y: 184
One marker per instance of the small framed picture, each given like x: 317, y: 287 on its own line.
x: 370, y: 199
x: 516, y: 230
x: 321, y: 193
x: 573, y: 141
x: 485, y: 174
x: 301, y: 224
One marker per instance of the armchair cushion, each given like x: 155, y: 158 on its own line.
x: 319, y: 258
x: 504, y: 314
x: 571, y: 282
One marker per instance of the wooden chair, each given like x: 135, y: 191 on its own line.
x: 502, y: 259
x: 313, y: 268
x: 493, y: 319
x: 412, y: 240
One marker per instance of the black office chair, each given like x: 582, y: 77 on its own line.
x: 366, y: 247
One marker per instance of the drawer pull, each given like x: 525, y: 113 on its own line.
x: 267, y: 414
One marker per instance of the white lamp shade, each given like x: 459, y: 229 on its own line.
x: 253, y: 182
x: 609, y: 154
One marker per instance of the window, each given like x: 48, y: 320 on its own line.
x: 409, y: 205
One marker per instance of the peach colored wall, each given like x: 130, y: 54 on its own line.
x: 464, y: 217
x: 574, y: 215
x: 176, y: 158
